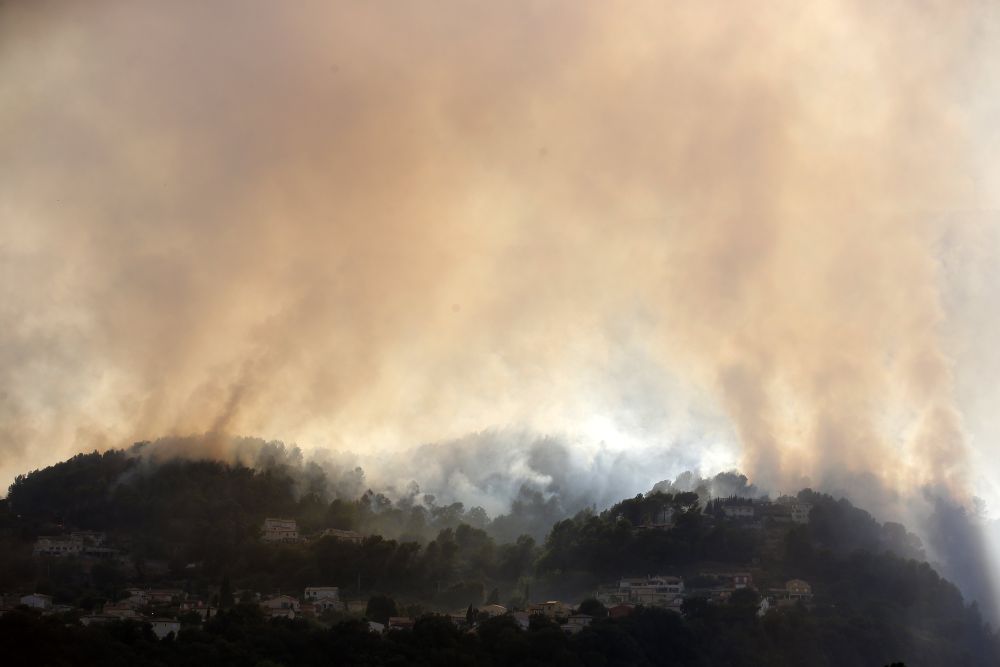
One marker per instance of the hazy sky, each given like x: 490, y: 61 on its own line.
x: 708, y: 234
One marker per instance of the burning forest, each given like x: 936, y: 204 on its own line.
x: 684, y: 309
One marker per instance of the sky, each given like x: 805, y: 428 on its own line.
x: 668, y: 236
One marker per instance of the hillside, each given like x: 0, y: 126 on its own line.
x: 195, y: 526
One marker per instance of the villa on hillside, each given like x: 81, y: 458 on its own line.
x: 550, y: 609
x: 164, y: 626
x: 401, y: 623
x: 280, y: 530
x: 343, y: 535
x: 281, y: 606
x: 798, y: 589
x: 323, y: 598
x: 78, y: 543
x: 733, y: 580
x: 795, y: 590
x: 654, y: 591
x: 60, y: 545
x: 37, y: 601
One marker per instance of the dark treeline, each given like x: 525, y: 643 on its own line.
x: 702, y: 636
x: 126, y: 488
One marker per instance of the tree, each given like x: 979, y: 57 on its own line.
x: 226, y: 599
x: 745, y: 597
x: 593, y: 607
x: 380, y: 608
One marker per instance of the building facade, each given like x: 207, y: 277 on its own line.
x: 280, y: 530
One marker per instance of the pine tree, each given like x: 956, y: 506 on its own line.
x: 226, y: 595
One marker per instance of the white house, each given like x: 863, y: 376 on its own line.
x: 797, y: 510
x: 164, y: 626
x: 551, y: 609
x: 280, y: 530
x: 323, y: 598
x: 314, y: 593
x: 60, y: 545
x: 800, y: 512
x: 656, y: 591
x: 37, y: 601
x: 281, y: 606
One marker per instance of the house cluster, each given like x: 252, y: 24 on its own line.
x: 163, y: 608
x: 286, y: 530
x: 669, y: 592
x: 157, y: 606
x: 651, y: 591
x: 784, y: 510
x: 166, y: 609
x: 153, y: 606
x: 568, y: 618
x: 756, y: 513
x: 317, y: 599
x: 565, y: 615
x: 78, y: 543
x: 572, y: 622
x: 280, y: 530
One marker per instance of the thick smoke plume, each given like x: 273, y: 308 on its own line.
x: 712, y: 229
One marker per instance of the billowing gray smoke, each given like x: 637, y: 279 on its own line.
x: 360, y: 227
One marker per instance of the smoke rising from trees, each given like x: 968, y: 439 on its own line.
x: 358, y: 230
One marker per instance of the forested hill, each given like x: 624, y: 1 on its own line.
x: 193, y: 524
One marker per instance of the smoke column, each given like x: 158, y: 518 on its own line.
x: 723, y: 234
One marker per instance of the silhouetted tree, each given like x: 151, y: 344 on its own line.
x: 380, y: 608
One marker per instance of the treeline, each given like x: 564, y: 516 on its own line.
x: 203, y: 519
x: 703, y: 635
x: 223, y: 503
x: 839, y: 526
x: 459, y: 567
x: 602, y: 547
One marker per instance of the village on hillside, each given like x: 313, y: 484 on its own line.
x: 168, y: 609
